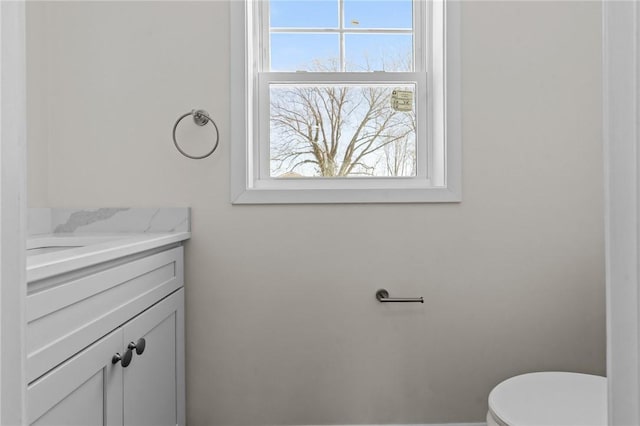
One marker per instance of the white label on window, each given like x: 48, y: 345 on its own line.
x: 402, y: 100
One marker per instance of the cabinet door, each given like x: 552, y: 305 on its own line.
x: 154, y: 382
x: 85, y: 390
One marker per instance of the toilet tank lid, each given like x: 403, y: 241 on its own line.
x: 551, y: 398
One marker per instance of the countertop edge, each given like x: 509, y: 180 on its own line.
x: 104, y: 252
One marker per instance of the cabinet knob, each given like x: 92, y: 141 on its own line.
x: 124, y: 360
x: 138, y: 346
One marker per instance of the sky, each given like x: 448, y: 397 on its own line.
x: 294, y: 52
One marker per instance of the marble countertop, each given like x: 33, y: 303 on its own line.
x: 59, y: 253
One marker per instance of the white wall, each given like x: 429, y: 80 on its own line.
x: 282, y: 327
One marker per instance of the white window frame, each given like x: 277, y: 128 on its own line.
x: 438, y: 178
x: 13, y: 207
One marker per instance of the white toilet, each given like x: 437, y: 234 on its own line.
x: 549, y: 399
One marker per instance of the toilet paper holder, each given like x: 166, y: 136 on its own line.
x: 383, y: 297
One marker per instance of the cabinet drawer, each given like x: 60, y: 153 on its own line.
x: 64, y: 319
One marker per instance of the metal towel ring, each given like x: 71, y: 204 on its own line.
x: 201, y: 118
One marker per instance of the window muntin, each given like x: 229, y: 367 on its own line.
x: 352, y: 13
x: 364, y: 30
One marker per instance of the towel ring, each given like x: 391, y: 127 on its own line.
x: 201, y: 118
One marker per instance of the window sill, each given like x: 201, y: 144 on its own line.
x: 346, y: 196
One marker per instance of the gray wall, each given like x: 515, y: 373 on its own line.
x: 282, y: 327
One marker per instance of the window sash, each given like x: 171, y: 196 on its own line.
x: 421, y: 13
x: 262, y: 148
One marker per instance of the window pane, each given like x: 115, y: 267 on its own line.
x: 305, y: 52
x: 303, y: 13
x: 337, y: 130
x: 379, y: 52
x: 378, y: 14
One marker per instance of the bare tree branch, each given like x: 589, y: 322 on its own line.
x: 341, y: 130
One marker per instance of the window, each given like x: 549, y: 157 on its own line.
x: 345, y: 101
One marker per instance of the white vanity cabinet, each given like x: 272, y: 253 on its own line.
x: 100, y: 314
